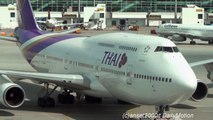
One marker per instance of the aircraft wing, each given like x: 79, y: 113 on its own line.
x: 73, y: 24
x: 208, y: 64
x: 204, y: 62
x: 41, y: 22
x: 74, y: 81
x: 12, y: 39
x: 73, y: 30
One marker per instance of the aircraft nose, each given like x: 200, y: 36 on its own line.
x: 187, y: 83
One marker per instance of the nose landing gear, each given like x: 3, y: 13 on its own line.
x: 161, y: 109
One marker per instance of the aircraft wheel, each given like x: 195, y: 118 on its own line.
x: 210, y: 42
x: 60, y: 99
x: 46, y: 102
x: 91, y: 99
x: 71, y: 99
x: 122, y: 102
x: 42, y: 102
x: 192, y: 42
x: 50, y: 102
x: 66, y: 99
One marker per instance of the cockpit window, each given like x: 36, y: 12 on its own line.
x: 166, y: 49
x: 158, y: 49
x: 175, y: 49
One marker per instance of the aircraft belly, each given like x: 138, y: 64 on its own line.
x: 119, y: 88
x: 96, y: 88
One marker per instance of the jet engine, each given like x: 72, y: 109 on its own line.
x: 11, y: 95
x: 201, y: 92
x: 176, y: 37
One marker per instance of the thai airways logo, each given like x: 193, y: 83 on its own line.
x: 115, y: 59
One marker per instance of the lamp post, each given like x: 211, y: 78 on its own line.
x: 79, y: 11
x: 175, y: 15
x: 148, y: 15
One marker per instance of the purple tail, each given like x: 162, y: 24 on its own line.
x: 26, y: 18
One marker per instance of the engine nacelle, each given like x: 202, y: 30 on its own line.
x: 11, y: 95
x: 201, y: 92
x: 176, y: 37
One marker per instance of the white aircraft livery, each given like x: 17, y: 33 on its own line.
x: 138, y: 69
x: 180, y: 32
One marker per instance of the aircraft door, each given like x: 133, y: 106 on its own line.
x: 66, y: 62
x: 97, y: 67
x: 153, y: 84
x: 129, y: 75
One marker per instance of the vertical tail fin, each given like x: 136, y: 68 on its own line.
x: 26, y: 18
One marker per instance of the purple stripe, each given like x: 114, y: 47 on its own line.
x: 25, y: 35
x: 31, y: 52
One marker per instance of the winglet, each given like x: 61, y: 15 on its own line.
x: 26, y: 18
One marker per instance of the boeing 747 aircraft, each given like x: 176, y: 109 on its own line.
x: 138, y: 69
x: 180, y: 32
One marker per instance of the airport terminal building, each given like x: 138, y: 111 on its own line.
x: 118, y: 5
x: 134, y: 11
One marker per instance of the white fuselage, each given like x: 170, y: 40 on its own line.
x: 189, y: 31
x: 51, y: 23
x: 124, y: 66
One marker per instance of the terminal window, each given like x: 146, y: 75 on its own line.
x: 200, y: 16
x: 12, y: 14
x: 101, y: 15
x: 114, y: 23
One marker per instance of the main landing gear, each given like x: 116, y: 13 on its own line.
x: 64, y: 98
x: 91, y: 99
x: 192, y: 42
x: 47, y: 101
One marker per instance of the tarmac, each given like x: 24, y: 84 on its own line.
x: 11, y: 58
